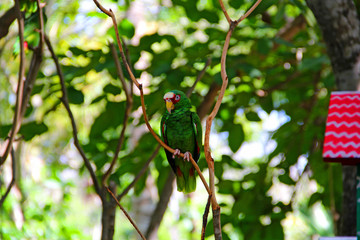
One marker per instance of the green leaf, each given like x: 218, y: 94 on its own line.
x: 236, y: 3
x: 37, y: 89
x: 126, y: 28
x: 236, y: 137
x: 4, y: 130
x: 211, y: 16
x: 252, y: 116
x: 225, y: 186
x: 314, y: 198
x: 285, y: 178
x: 111, y: 117
x: 112, y: 89
x: 219, y: 169
x: 231, y: 162
x: 75, y: 96
x: 263, y: 6
x: 98, y: 99
x: 313, y: 64
x: 140, y: 185
x: 264, y: 45
x: 31, y: 129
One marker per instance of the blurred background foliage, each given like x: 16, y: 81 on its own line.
x: 266, y: 139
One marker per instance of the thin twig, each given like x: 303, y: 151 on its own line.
x: 212, y: 115
x: 199, y: 76
x: 126, y: 214
x: 129, y: 103
x: 19, y: 92
x: 140, y: 174
x: 225, y: 12
x: 41, y: 21
x: 13, y: 165
x: 127, y: 52
x: 35, y: 64
x: 125, y: 62
x: 248, y: 12
x: 205, y: 217
x: 209, y: 159
x: 120, y: 71
x: 65, y: 101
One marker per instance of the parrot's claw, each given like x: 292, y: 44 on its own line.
x: 177, y: 152
x: 187, y: 156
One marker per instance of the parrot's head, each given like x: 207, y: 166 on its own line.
x: 176, y: 99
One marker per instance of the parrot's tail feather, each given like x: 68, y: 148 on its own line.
x: 186, y: 185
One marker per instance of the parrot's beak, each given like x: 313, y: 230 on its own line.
x: 169, y: 105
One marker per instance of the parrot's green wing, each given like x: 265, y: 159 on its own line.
x: 198, y: 135
x: 165, y: 140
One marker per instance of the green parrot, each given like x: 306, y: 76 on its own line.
x: 181, y: 130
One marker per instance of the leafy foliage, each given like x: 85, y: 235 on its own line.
x: 267, y: 75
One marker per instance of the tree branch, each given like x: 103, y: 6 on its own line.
x: 19, y: 92
x: 123, y: 57
x: 6, y: 20
x: 225, y: 12
x: 248, y: 12
x: 140, y: 174
x: 161, y: 207
x: 35, y: 63
x: 129, y: 103
x: 209, y: 159
x: 205, y: 217
x: 292, y: 28
x: 126, y: 214
x: 13, y: 166
x: 199, y: 76
x: 65, y: 101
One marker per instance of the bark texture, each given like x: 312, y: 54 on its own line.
x: 340, y: 27
x: 108, y: 213
x: 6, y: 20
x: 151, y: 232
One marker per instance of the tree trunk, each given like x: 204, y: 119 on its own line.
x: 340, y: 27
x: 108, y: 213
x: 157, y: 216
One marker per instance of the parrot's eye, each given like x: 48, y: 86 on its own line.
x: 177, y: 98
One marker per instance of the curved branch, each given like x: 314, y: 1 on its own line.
x: 110, y: 13
x: 205, y: 217
x: 126, y: 214
x: 19, y: 92
x: 129, y: 103
x: 6, y: 20
x: 35, y: 63
x: 41, y: 21
x: 141, y: 173
x: 209, y: 159
x: 65, y: 101
x: 199, y: 76
x: 225, y: 12
x: 13, y: 166
x: 248, y: 12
